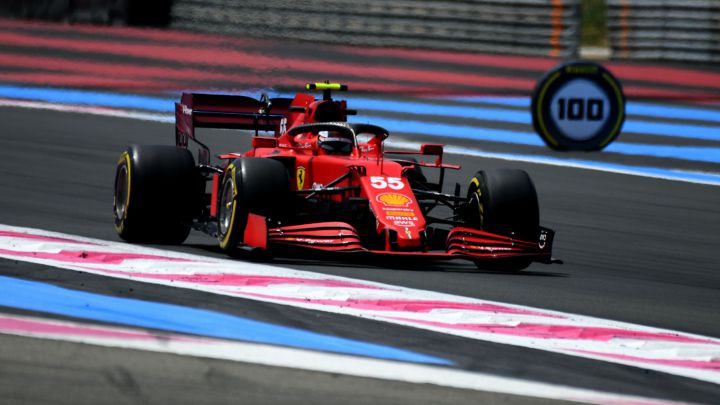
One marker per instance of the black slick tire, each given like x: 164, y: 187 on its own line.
x: 504, y: 202
x: 156, y: 192
x: 250, y: 185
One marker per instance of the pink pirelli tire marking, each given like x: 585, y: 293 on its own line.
x: 645, y: 347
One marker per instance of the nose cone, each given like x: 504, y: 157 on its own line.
x: 410, y: 238
x: 395, y: 207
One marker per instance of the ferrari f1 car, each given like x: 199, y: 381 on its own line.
x: 313, y: 180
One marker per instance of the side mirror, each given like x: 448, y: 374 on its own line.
x: 431, y: 149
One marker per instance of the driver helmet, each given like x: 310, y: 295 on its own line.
x: 335, y: 142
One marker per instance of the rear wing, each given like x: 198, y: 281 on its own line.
x: 228, y: 111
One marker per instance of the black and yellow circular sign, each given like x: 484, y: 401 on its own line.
x: 578, y: 106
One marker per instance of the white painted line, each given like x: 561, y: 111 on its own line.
x: 137, y: 339
x: 645, y: 347
x: 84, y: 109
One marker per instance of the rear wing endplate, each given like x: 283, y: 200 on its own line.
x: 228, y: 111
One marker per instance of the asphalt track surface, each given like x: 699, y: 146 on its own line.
x: 630, y: 254
x: 636, y: 249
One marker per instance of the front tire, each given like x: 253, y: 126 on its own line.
x: 504, y: 202
x: 250, y: 185
x: 155, y: 194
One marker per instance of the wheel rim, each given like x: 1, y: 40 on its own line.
x: 226, y: 205
x: 476, y: 212
x: 476, y: 216
x: 121, y: 192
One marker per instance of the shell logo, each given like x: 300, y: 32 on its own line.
x: 394, y: 200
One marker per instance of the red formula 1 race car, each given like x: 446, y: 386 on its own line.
x: 313, y: 180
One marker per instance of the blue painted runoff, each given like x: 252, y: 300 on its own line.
x: 42, y: 297
x: 92, y: 98
x: 473, y: 112
x: 632, y: 107
x: 702, y: 154
x: 696, y: 154
x: 711, y: 133
x: 672, y: 174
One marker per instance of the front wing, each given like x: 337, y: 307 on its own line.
x: 465, y: 243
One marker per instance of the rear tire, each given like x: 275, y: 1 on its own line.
x: 504, y: 202
x: 250, y: 185
x: 155, y: 194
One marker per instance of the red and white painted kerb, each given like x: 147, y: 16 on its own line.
x: 650, y: 348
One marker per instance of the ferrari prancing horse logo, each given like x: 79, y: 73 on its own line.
x: 300, y: 177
